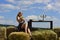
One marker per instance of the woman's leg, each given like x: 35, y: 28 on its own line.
x: 29, y: 32
x: 25, y: 27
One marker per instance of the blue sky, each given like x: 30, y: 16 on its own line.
x: 31, y: 9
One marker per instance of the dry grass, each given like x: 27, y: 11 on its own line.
x: 10, y: 29
x: 36, y: 35
x: 19, y: 36
x: 2, y: 33
x: 57, y: 30
x: 44, y: 35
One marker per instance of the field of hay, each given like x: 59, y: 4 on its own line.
x: 7, y: 33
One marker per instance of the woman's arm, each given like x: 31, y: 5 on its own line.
x: 22, y: 18
x: 18, y: 20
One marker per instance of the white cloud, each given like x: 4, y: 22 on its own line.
x: 1, y: 17
x: 8, y: 7
x: 6, y: 21
x: 33, y: 17
x: 54, y: 6
x: 23, y: 3
x: 56, y: 21
x: 28, y: 1
x: 51, y: 18
x: 57, y: 5
x: 42, y: 1
x: 3, y: 10
x: 20, y: 2
x: 12, y: 1
x: 9, y: 22
x: 2, y: 21
x: 49, y: 6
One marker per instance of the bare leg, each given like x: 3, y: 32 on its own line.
x: 25, y: 27
x: 29, y: 32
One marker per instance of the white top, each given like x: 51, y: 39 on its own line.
x: 22, y: 21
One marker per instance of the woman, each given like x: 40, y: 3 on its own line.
x: 23, y: 26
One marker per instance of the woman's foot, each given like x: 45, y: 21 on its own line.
x: 30, y: 35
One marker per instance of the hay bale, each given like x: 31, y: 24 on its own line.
x: 57, y: 30
x: 2, y: 33
x: 59, y: 38
x: 10, y: 29
x: 18, y: 36
x: 44, y: 35
x: 36, y: 35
